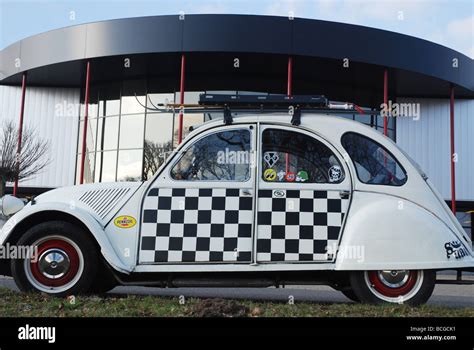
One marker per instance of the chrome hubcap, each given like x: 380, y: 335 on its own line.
x: 54, y: 263
x: 393, y: 278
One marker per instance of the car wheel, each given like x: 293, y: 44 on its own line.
x: 349, y: 293
x: 65, y: 262
x: 413, y: 287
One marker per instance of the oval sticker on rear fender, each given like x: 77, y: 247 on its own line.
x: 125, y: 221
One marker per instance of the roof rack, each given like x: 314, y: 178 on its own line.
x: 272, y: 101
x: 295, y: 105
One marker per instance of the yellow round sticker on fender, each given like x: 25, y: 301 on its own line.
x: 270, y: 175
x: 125, y: 221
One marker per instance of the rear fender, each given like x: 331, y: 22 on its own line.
x: 388, y: 232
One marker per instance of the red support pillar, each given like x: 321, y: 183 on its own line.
x: 290, y: 77
x: 181, y: 99
x: 385, y: 101
x: 451, y: 134
x: 20, y: 130
x: 86, y: 120
x: 289, y: 92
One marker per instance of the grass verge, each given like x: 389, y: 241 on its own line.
x: 15, y: 304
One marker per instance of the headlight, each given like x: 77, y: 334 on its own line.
x: 10, y: 205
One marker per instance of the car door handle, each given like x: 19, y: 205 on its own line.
x: 344, y: 194
x: 246, y: 192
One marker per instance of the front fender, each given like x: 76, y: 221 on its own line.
x: 88, y: 220
x: 385, y: 232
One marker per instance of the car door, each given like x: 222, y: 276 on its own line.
x: 200, y: 209
x: 304, y: 190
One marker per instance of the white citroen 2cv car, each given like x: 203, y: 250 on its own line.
x: 263, y: 199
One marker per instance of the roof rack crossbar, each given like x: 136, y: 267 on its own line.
x: 227, y: 116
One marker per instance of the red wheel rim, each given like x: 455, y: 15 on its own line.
x: 68, y: 276
x: 393, y: 292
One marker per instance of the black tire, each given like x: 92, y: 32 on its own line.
x: 367, y: 291
x: 104, y: 280
x: 349, y: 293
x: 73, y: 240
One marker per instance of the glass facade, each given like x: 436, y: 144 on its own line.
x: 128, y: 141
x: 115, y: 133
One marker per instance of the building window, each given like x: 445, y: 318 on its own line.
x: 107, y: 165
x: 159, y: 128
x: 115, y: 133
x: 110, y: 128
x: 190, y: 97
x: 129, y: 166
x: 129, y: 134
x: 132, y: 131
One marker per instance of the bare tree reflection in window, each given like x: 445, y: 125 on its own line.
x: 154, y: 155
x: 223, y: 156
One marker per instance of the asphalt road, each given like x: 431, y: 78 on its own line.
x: 444, y: 295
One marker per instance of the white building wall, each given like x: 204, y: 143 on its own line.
x: 57, y: 125
x: 427, y: 141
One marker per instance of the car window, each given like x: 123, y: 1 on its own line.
x: 222, y: 156
x: 373, y: 163
x: 289, y: 156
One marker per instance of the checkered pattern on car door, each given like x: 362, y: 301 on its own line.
x: 298, y: 225
x: 196, y: 225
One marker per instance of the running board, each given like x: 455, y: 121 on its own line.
x: 459, y: 282
x: 229, y: 280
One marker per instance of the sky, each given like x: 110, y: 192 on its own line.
x: 446, y: 22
